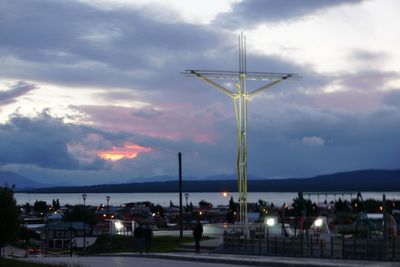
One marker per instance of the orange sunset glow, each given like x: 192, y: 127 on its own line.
x: 129, y: 151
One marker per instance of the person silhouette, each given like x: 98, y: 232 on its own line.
x: 148, y: 234
x: 139, y: 236
x: 197, y: 232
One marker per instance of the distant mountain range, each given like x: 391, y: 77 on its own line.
x: 365, y: 180
x: 8, y: 178
x: 218, y: 177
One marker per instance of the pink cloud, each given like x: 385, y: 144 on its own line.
x: 128, y: 151
x: 172, y: 121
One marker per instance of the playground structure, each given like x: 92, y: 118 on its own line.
x: 343, y: 228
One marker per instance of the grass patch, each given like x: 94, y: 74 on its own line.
x: 118, y: 243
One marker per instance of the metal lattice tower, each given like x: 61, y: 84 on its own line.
x: 241, y: 96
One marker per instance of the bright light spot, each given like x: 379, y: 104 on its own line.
x: 200, y: 213
x: 104, y: 215
x: 129, y: 151
x: 270, y: 222
x: 225, y: 194
x: 118, y: 225
x: 154, y: 214
x: 318, y: 222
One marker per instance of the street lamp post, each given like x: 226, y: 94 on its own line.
x: 108, y: 201
x: 187, y: 209
x: 108, y: 211
x: 186, y: 197
x: 84, y: 222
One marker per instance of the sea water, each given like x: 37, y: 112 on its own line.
x: 215, y: 198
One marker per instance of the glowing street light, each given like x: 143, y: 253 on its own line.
x: 118, y: 225
x: 270, y: 222
x: 318, y: 222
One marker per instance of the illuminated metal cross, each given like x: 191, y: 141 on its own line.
x: 240, y: 97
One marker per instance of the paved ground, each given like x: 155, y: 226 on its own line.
x: 13, y: 251
x: 206, y: 260
x: 203, y: 259
x: 128, y: 262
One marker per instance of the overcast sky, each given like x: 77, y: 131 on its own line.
x: 91, y: 91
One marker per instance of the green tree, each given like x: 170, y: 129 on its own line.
x: 9, y: 216
x: 56, y: 204
x: 372, y: 205
x: 40, y: 207
x: 204, y: 204
x: 157, y: 209
x: 27, y: 208
x: 79, y: 213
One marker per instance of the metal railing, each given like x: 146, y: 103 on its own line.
x: 345, y: 247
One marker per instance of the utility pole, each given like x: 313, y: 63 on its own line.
x: 241, y: 96
x: 180, y: 196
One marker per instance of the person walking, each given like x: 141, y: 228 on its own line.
x: 139, y: 236
x: 148, y: 235
x: 197, y: 232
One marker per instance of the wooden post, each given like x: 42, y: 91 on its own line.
x: 343, y: 253
x: 321, y: 248
x: 393, y: 247
x: 302, y: 244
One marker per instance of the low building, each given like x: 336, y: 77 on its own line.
x: 61, y: 235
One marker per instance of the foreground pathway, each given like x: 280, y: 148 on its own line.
x: 121, y: 261
x: 205, y: 260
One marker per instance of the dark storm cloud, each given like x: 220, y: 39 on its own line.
x: 75, y: 44
x: 367, y: 80
x: 347, y: 140
x: 16, y: 90
x: 251, y: 12
x: 285, y: 140
x: 393, y: 99
x: 43, y: 141
x: 290, y: 140
x: 70, y: 39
